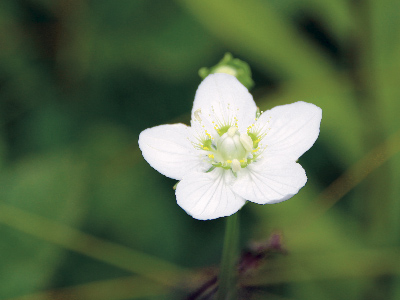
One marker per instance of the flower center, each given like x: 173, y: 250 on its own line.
x: 230, y: 147
x: 232, y: 150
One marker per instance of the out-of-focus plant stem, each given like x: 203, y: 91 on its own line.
x: 227, y: 275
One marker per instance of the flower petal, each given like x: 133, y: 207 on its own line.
x: 290, y: 129
x: 221, y: 97
x: 207, y: 196
x: 168, y: 150
x: 270, y: 181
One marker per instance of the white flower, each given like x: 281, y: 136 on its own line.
x: 231, y: 153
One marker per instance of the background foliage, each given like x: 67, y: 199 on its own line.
x: 83, y: 216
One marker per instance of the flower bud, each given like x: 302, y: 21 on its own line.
x: 231, y: 66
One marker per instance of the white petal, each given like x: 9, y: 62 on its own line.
x: 168, y: 150
x: 207, y: 196
x: 291, y: 129
x: 222, y: 97
x: 270, y: 181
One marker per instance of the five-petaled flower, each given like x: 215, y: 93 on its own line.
x: 231, y: 152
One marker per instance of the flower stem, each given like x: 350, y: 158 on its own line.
x: 227, y: 274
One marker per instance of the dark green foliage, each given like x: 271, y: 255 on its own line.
x: 79, y: 80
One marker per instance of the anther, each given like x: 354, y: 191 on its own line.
x: 197, y: 114
x: 235, y: 165
x: 246, y: 141
x: 231, y: 131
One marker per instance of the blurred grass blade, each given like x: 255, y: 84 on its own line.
x: 351, y: 178
x: 116, y: 289
x: 346, y: 264
x: 128, y: 259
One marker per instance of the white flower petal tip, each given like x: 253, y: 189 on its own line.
x: 231, y: 153
x: 221, y: 98
x: 167, y: 149
x: 290, y: 129
x: 207, y: 196
x: 272, y: 181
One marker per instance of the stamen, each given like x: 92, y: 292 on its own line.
x: 233, y: 150
x: 246, y: 141
x: 235, y: 165
x: 232, y: 131
x: 197, y: 114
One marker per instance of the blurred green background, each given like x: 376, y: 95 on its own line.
x: 83, y: 216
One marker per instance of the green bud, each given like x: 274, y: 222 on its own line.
x: 231, y: 66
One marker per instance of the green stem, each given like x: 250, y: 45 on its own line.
x: 227, y: 275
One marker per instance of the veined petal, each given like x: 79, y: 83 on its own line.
x: 168, y: 150
x: 269, y: 181
x: 222, y: 98
x: 290, y: 129
x: 207, y: 196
